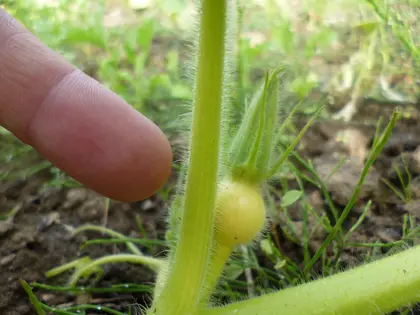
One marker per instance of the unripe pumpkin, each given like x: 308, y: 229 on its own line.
x: 240, y: 213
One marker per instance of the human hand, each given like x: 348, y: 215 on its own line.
x: 80, y: 126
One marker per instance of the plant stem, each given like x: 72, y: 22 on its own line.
x: 63, y: 268
x: 90, y: 227
x: 401, y: 33
x: 152, y: 263
x: 291, y: 147
x: 220, y: 256
x: 375, y: 288
x: 78, y: 308
x: 187, y: 274
x: 32, y: 297
x: 377, y: 148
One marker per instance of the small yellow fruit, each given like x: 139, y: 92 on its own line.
x: 240, y: 213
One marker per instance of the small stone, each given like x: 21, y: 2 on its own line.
x: 413, y: 208
x: 47, y: 220
x: 47, y: 297
x: 7, y: 260
x: 355, y: 143
x: 75, y: 197
x: 92, y: 209
x: 148, y: 205
x: 344, y: 180
x: 6, y: 225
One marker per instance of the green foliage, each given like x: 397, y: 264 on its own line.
x: 120, y: 57
x: 290, y: 197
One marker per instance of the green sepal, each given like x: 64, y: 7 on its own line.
x: 251, y: 148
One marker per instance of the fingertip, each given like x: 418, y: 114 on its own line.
x: 150, y: 172
x: 101, y: 141
x: 82, y: 127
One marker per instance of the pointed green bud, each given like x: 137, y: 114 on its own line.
x: 251, y: 148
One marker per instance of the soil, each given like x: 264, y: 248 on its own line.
x: 38, y: 237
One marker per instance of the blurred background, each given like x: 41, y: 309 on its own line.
x: 338, y: 53
x: 359, y: 58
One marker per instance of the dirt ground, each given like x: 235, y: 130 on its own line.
x: 38, y: 237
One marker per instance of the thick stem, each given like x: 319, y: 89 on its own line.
x: 220, y: 256
x: 187, y: 273
x: 375, y: 288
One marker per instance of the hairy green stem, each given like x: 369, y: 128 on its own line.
x: 187, y: 273
x: 220, y: 256
x: 376, y: 288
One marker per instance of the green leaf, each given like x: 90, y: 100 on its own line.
x: 233, y: 271
x: 80, y: 35
x: 140, y: 64
x: 290, y: 197
x: 145, y: 34
x: 266, y: 247
x: 302, y: 86
x: 367, y: 27
x: 173, y: 6
x: 285, y: 37
x: 181, y: 91
x: 172, y: 62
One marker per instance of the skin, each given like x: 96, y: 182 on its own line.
x: 76, y: 123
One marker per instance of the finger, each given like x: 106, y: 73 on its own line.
x: 81, y: 127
